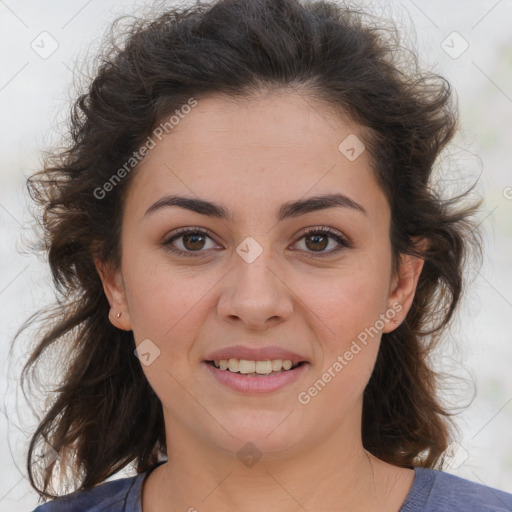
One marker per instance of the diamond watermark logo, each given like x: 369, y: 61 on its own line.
x: 45, y: 45
x: 454, y: 45
x: 351, y: 147
x: 47, y: 456
x: 147, y: 352
x: 455, y: 455
x: 249, y: 455
x: 249, y: 249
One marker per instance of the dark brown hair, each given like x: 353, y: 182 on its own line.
x: 104, y: 415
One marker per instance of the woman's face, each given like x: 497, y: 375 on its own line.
x: 256, y: 280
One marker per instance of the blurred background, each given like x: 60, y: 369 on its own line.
x: 468, y: 42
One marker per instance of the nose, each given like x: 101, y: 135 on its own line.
x: 255, y: 295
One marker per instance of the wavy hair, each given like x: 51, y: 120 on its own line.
x: 103, y: 415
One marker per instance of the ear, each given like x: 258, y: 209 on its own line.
x: 404, y: 285
x: 113, y: 286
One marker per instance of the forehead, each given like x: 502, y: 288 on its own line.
x: 255, y: 154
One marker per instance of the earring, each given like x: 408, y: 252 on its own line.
x: 397, y: 322
x: 118, y: 315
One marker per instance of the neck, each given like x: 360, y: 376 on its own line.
x: 337, y: 474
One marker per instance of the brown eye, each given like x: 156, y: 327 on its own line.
x: 193, y: 241
x: 317, y: 240
x: 189, y: 241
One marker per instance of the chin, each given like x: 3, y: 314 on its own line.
x: 270, y: 433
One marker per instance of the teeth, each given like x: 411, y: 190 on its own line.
x: 250, y: 367
x: 287, y: 364
x: 246, y: 366
x: 277, y: 364
x: 233, y: 365
x: 263, y: 367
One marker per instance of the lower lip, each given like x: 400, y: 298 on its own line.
x: 245, y: 384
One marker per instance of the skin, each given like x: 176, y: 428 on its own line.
x: 251, y: 156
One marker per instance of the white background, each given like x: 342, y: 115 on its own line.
x: 34, y: 102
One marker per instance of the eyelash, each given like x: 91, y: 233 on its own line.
x: 167, y: 243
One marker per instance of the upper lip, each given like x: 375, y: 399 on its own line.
x: 255, y: 354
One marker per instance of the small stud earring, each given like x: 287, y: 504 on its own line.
x: 397, y: 322
x: 118, y: 315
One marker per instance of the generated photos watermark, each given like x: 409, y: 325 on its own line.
x: 304, y: 397
x: 137, y: 156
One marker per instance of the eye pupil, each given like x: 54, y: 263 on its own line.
x: 316, y: 237
x: 195, y: 236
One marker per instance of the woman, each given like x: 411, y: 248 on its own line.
x: 254, y: 268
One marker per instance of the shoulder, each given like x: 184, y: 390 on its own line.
x: 437, y: 491
x: 113, y: 496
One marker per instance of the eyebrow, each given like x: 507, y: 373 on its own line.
x: 285, y: 211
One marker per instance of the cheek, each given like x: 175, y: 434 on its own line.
x: 350, y: 299
x: 166, y: 302
x: 160, y: 301
x: 165, y: 308
x: 349, y: 334
x: 347, y: 317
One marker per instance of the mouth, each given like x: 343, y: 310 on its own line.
x: 248, y: 368
x: 256, y: 377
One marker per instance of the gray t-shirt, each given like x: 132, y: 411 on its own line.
x: 431, y: 491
